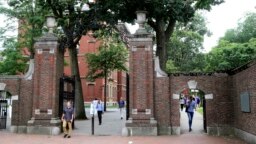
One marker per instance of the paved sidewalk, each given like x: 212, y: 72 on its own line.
x: 110, y: 133
x: 7, y: 138
x: 111, y: 124
x: 197, y: 124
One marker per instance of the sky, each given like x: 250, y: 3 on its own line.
x: 3, y: 24
x: 219, y: 19
x: 225, y: 16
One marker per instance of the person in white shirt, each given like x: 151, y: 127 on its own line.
x: 182, y: 102
x: 100, y: 110
x: 121, y: 105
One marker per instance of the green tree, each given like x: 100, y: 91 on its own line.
x: 244, y: 32
x: 31, y: 18
x: 75, y: 18
x: 162, y: 16
x: 13, y: 62
x: 227, y: 56
x: 236, y: 48
x: 185, y: 46
x: 112, y: 56
x: 73, y: 22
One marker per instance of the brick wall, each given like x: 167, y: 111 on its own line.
x: 245, y: 81
x: 141, y: 81
x: 11, y: 83
x: 21, y: 108
x: 162, y: 104
x: 219, y: 110
x: 223, y: 110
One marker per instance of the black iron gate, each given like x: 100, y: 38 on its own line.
x: 66, y: 93
x: 127, y: 97
x: 3, y: 113
x: 204, y: 114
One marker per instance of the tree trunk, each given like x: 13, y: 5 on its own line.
x: 163, y: 34
x: 161, y: 50
x: 79, y: 100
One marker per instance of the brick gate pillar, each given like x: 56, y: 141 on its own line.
x: 48, y: 70
x: 141, y: 71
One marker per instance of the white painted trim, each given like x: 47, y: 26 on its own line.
x: 208, y: 96
x: 147, y: 48
x: 158, y: 70
x: 37, y: 111
x: 2, y: 86
x: 248, y: 137
x: 29, y: 74
x: 49, y: 111
x: 135, y: 111
x: 52, y: 51
x: 15, y: 97
x: 39, y: 51
x: 134, y: 48
x: 175, y: 96
x: 90, y: 83
x: 192, y: 84
x: 148, y: 111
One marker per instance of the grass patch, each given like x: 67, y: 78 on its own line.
x: 200, y: 110
x: 112, y: 106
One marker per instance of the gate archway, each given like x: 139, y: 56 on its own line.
x: 199, y: 124
x: 216, y: 96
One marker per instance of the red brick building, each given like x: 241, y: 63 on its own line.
x: 116, y: 81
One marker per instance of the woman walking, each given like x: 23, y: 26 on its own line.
x: 191, y: 105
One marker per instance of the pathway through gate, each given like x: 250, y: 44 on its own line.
x: 111, y: 124
x: 197, y: 125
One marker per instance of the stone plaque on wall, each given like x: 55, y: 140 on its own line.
x: 245, y: 102
x: 209, y: 96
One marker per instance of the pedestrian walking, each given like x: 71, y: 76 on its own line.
x: 121, y: 105
x: 100, y: 109
x: 191, y: 105
x: 198, y: 101
x: 67, y: 119
x: 93, y: 110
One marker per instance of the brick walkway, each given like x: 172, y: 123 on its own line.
x: 110, y: 133
x: 7, y: 138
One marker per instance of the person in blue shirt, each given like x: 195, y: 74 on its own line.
x: 67, y: 119
x: 100, y: 109
x: 191, y: 105
x: 197, y: 101
x: 121, y: 105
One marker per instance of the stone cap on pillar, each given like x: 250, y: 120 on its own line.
x: 47, y: 37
